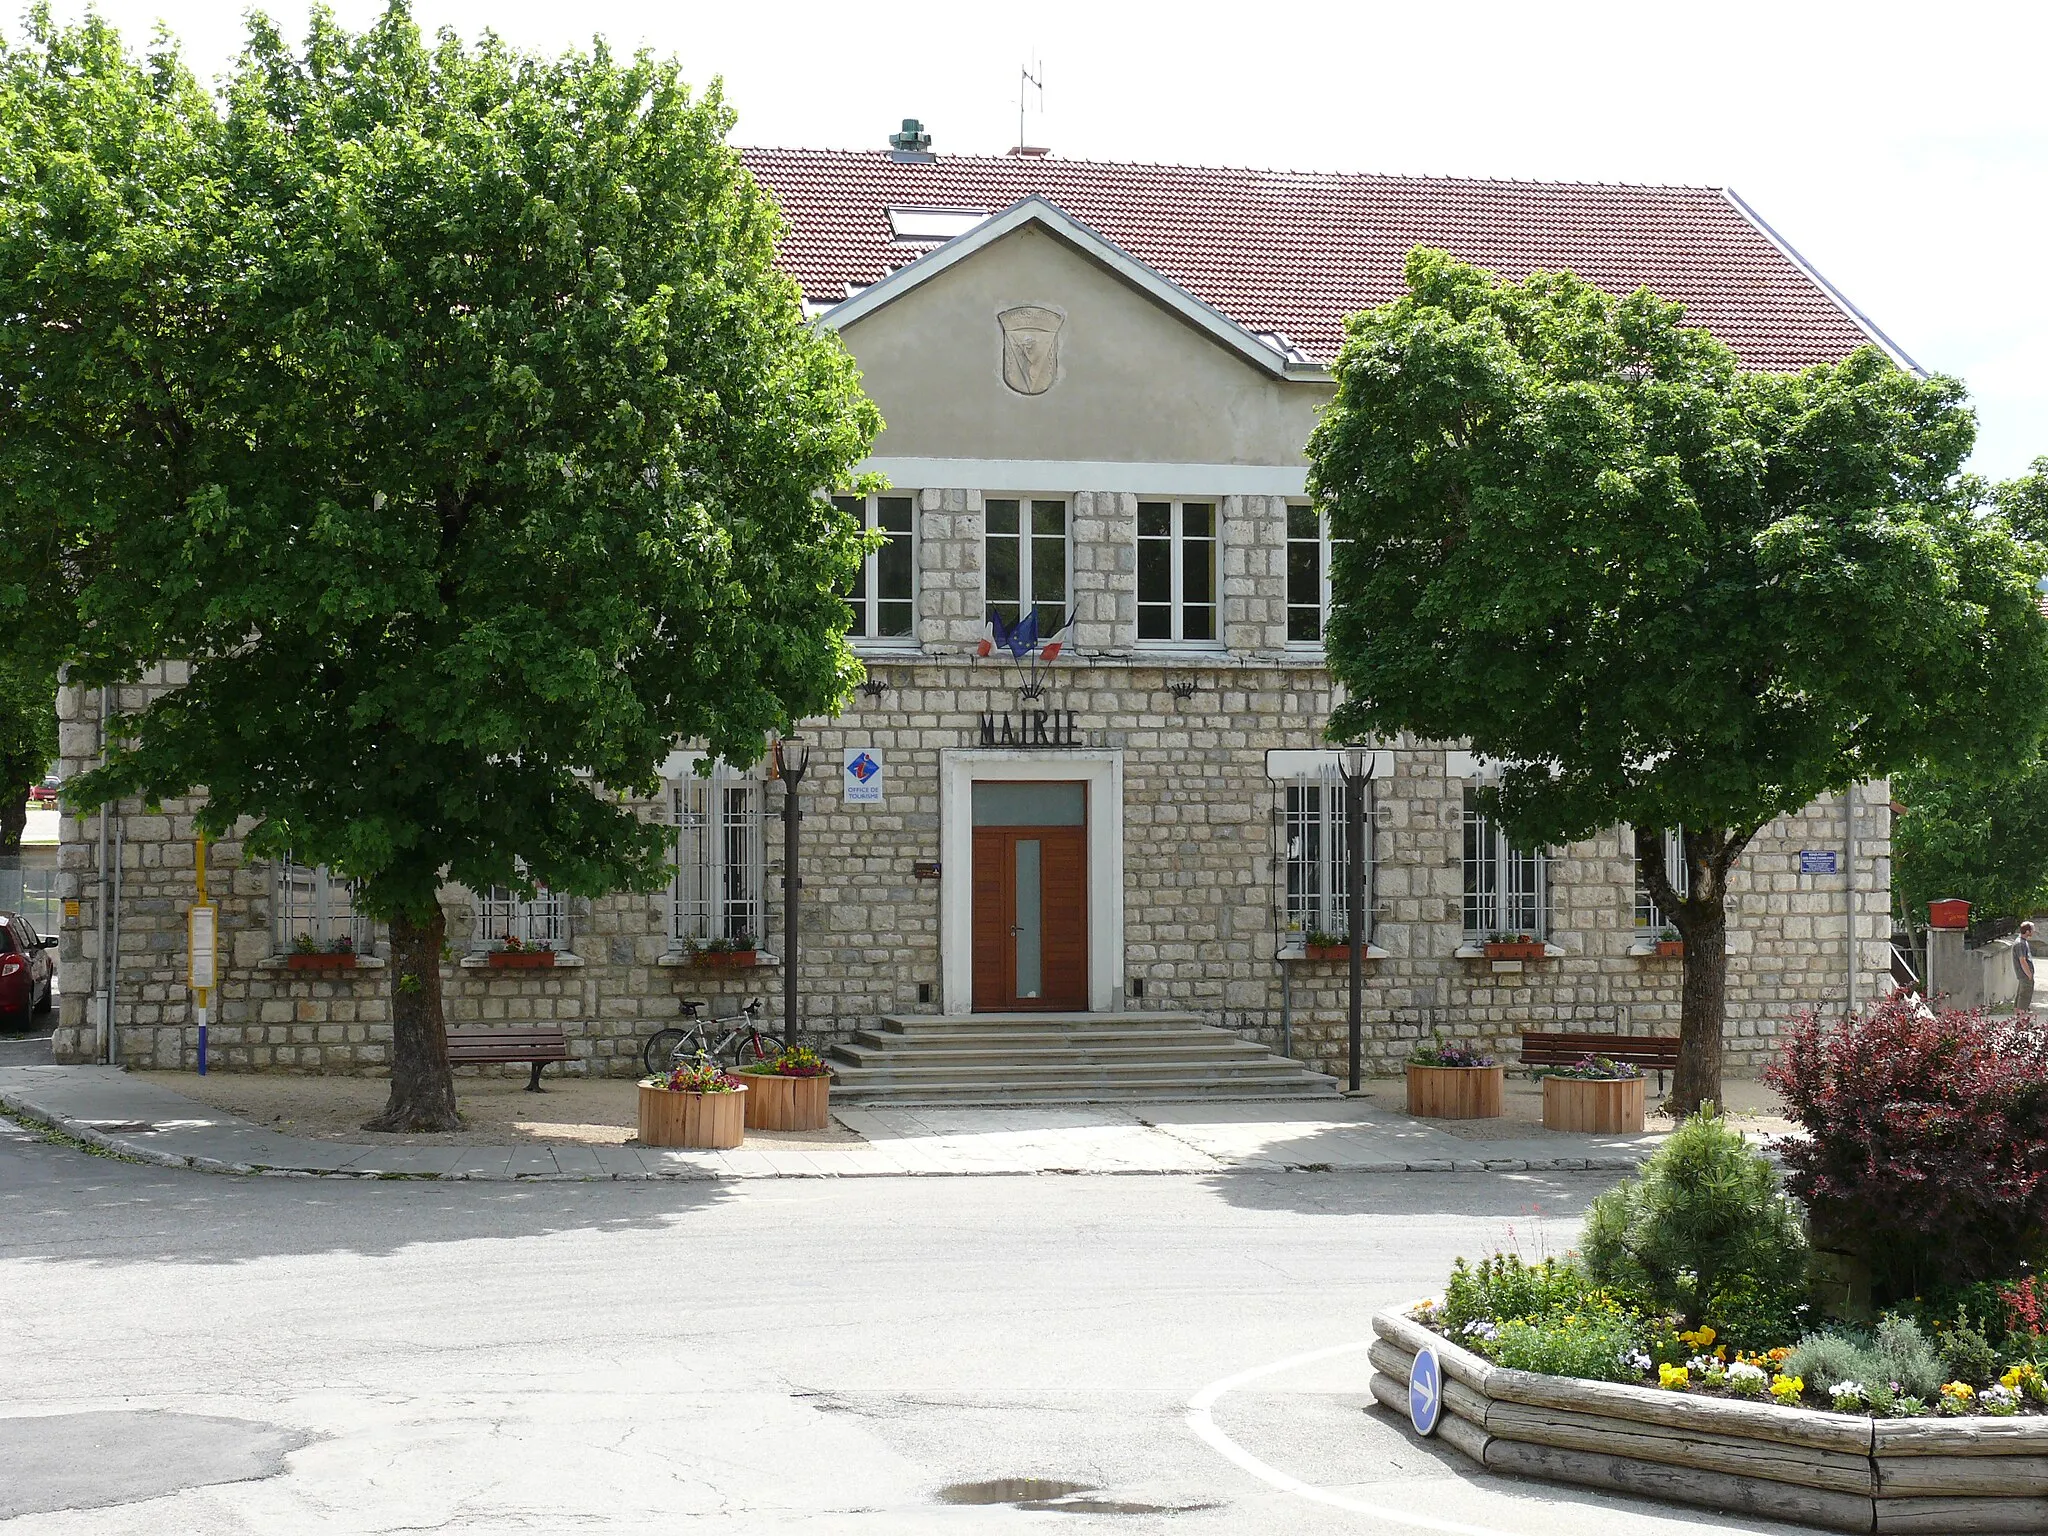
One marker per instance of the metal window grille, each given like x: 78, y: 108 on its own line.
x: 1507, y: 889
x: 1316, y: 827
x: 1024, y: 560
x: 542, y: 923
x: 719, y: 858
x: 1177, y: 570
x: 884, y: 595
x: 310, y: 902
x: 1648, y: 917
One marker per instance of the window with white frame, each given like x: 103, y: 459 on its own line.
x: 1024, y: 559
x: 538, y: 922
x: 1649, y: 919
x: 719, y: 858
x: 1507, y: 889
x: 1308, y: 574
x: 311, y: 906
x: 884, y: 595
x: 1177, y: 565
x: 1315, y: 824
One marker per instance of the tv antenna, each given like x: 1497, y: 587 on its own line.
x: 1030, y: 77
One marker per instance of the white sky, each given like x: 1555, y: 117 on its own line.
x: 1903, y: 149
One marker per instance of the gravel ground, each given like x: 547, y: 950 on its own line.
x: 496, y: 1111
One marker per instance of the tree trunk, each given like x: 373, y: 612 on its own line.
x: 422, y: 1085
x: 14, y: 790
x: 1701, y: 919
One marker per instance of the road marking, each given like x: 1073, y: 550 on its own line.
x: 1204, y: 1426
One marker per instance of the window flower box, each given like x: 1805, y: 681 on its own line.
x: 1327, y: 951
x: 330, y: 960
x: 521, y: 959
x: 1670, y: 948
x: 1515, y: 949
x: 731, y: 958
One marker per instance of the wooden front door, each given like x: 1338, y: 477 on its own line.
x: 1030, y: 898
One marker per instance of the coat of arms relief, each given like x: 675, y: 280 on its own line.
x: 1031, y: 347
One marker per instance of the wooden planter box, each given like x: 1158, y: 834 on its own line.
x: 1614, y: 1107
x: 1670, y: 947
x: 778, y: 1103
x: 328, y: 962
x: 708, y: 1120
x: 1844, y: 1472
x: 522, y: 959
x: 727, y: 957
x: 1516, y: 951
x: 1455, y: 1093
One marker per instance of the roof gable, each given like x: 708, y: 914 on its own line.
x: 1044, y: 215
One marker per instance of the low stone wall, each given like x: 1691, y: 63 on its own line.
x: 1841, y: 1472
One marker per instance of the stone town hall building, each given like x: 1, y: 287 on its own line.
x: 1098, y: 381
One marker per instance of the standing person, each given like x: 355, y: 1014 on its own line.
x: 2023, y: 966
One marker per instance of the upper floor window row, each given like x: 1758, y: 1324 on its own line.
x: 884, y: 595
x: 1177, y: 571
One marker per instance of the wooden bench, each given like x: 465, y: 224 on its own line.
x: 472, y: 1047
x: 1562, y: 1049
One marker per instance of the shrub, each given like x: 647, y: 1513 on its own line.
x: 1600, y: 1344
x: 1967, y: 1356
x: 1705, y: 1221
x: 1502, y: 1288
x: 1898, y: 1352
x: 1926, y: 1147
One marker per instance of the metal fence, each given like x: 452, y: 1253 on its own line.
x: 28, y: 885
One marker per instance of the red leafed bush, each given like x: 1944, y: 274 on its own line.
x: 1926, y: 1148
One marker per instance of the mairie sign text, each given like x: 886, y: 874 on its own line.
x: 1030, y: 728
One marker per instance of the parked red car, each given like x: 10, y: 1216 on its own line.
x: 28, y: 971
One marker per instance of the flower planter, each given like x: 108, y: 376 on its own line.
x: 328, y: 962
x: 1330, y: 952
x: 1670, y: 948
x: 714, y: 1121
x: 1844, y: 1472
x: 522, y: 959
x: 1515, y: 951
x: 726, y: 957
x: 1455, y: 1093
x: 779, y: 1103
x: 1612, y: 1106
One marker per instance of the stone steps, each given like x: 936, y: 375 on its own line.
x: 1036, y: 1058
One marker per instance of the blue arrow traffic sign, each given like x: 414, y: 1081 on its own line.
x: 1425, y: 1391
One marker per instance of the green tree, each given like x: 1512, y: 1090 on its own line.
x: 1665, y: 592
x: 1982, y: 836
x: 442, y: 407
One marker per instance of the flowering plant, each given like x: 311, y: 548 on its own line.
x: 1956, y: 1398
x: 1747, y: 1379
x: 1673, y: 1377
x: 1786, y: 1390
x: 1598, y: 1069
x: 1437, y: 1054
x: 2025, y: 1380
x: 512, y: 944
x: 1848, y: 1396
x: 796, y: 1061
x: 2001, y: 1402
x: 701, y: 1076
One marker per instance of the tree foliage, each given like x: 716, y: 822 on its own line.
x: 442, y: 406
x: 1663, y: 591
x: 28, y: 738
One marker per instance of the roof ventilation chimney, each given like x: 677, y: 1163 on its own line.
x: 911, y: 143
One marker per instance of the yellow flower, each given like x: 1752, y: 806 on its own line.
x: 1786, y: 1389
x: 1698, y: 1338
x: 2011, y: 1378
x: 1960, y: 1391
x: 1673, y: 1377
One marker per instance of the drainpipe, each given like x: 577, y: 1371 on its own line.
x: 1849, y: 857
x: 114, y: 954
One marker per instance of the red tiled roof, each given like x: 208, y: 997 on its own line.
x: 1297, y: 252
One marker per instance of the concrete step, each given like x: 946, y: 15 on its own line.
x: 1307, y: 1085
x: 954, y: 1023
x: 866, y: 1048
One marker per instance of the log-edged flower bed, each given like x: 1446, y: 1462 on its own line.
x: 1692, y: 1349
x: 1840, y: 1471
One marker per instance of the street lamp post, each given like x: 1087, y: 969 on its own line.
x: 792, y: 758
x: 1358, y: 765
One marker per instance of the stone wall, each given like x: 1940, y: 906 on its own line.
x: 1203, y: 886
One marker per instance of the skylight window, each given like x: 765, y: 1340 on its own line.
x: 920, y: 226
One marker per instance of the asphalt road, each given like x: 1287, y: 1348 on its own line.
x: 188, y: 1353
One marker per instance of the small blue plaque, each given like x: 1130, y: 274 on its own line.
x: 1817, y: 861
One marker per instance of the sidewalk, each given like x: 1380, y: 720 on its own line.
x: 112, y: 1109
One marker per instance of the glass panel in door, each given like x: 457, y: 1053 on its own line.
x: 1030, y: 931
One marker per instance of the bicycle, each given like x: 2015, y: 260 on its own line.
x: 743, y: 1042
